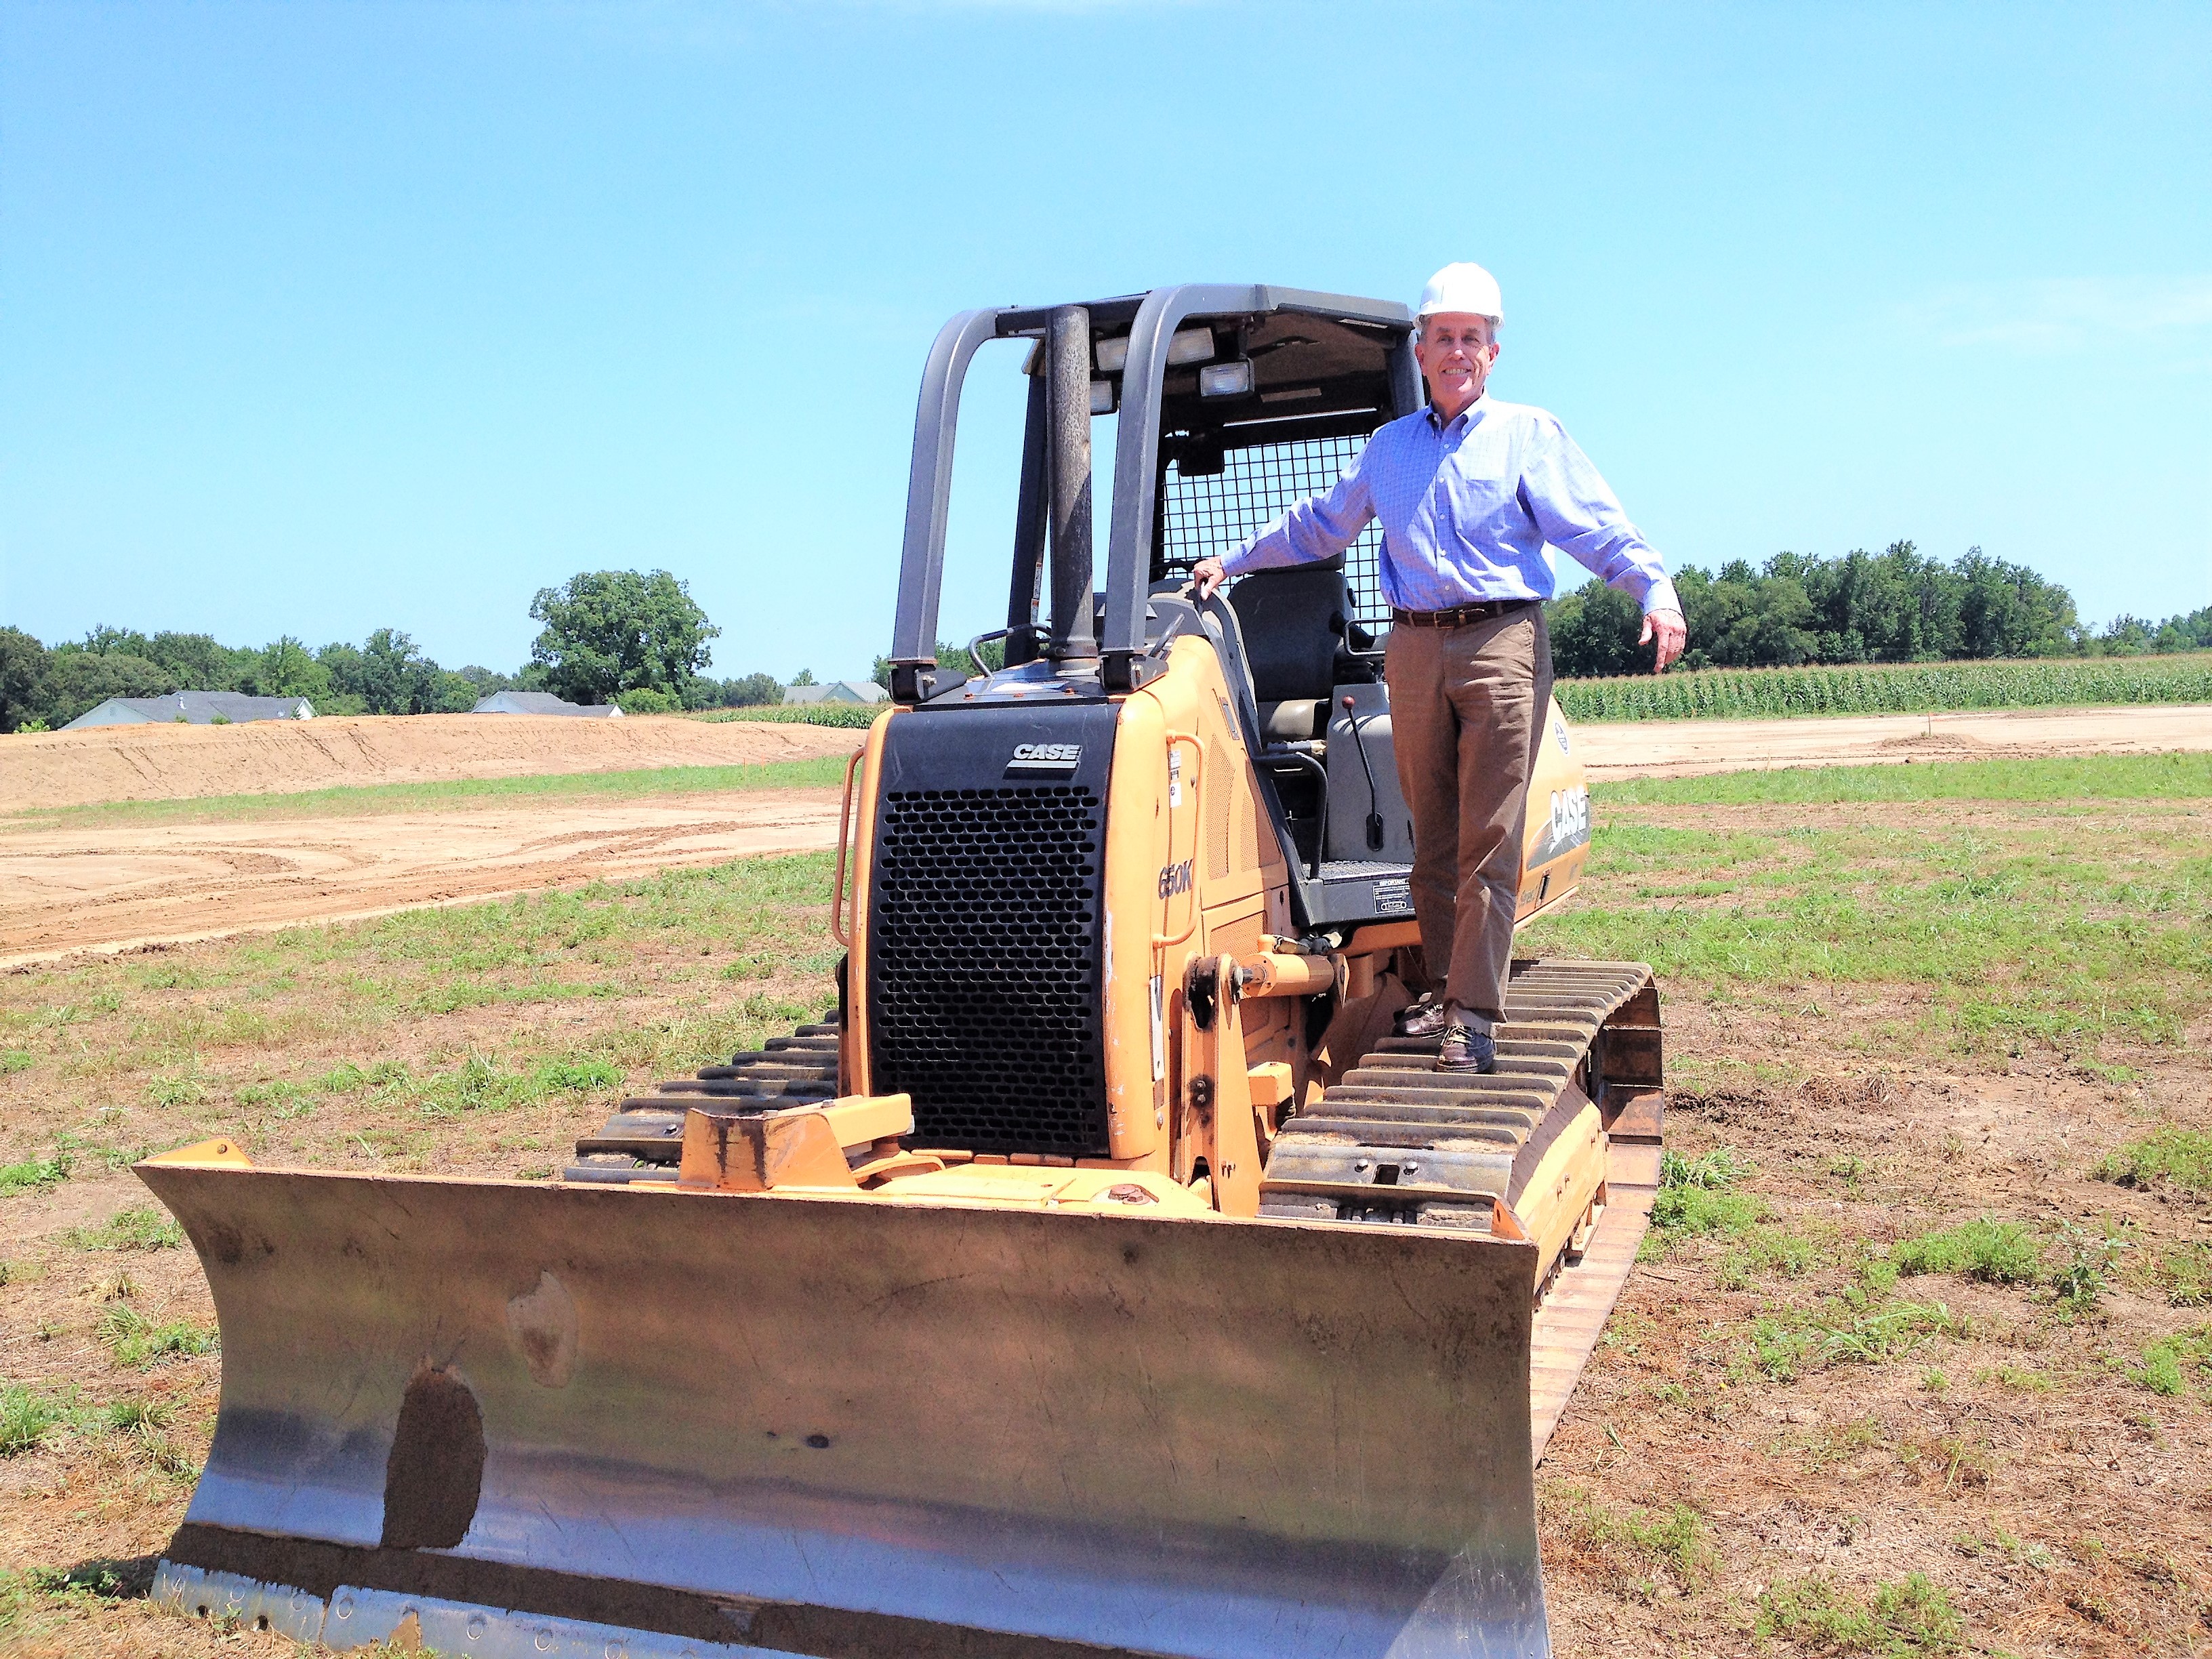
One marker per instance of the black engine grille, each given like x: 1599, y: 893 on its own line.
x: 984, y: 1002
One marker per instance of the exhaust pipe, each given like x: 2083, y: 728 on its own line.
x: 1067, y: 382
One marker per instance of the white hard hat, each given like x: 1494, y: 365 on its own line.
x: 1463, y: 287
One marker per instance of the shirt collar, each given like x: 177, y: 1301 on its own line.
x: 1474, y: 412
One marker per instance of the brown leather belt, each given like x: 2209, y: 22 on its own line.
x: 1459, y: 616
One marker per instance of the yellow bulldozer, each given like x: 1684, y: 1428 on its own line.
x: 1100, y: 1276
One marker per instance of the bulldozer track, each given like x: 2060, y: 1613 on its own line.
x: 644, y: 1139
x: 1398, y: 1138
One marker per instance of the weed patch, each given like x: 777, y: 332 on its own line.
x: 1816, y: 1614
x: 2182, y: 1273
x: 1652, y: 1547
x: 42, y: 1173
x: 138, y: 1341
x: 1696, y: 1197
x: 1799, y: 1342
x: 1993, y: 1252
x: 2172, y: 1363
x: 142, y: 1227
x: 26, y: 1418
x: 1787, y: 1251
x: 2171, y: 1156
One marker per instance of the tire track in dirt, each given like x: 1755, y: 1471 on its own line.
x: 126, y: 887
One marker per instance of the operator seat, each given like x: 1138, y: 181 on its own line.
x: 1294, y: 625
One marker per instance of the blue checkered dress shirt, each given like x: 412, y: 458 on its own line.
x: 1466, y: 507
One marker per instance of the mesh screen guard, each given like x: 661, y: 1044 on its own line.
x: 1205, y: 514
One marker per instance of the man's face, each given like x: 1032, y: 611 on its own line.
x: 1455, y: 351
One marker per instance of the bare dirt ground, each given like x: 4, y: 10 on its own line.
x: 192, y: 762
x: 111, y: 888
x: 1674, y: 749
x: 120, y: 886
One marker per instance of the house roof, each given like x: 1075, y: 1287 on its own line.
x: 193, y: 708
x: 541, y: 702
x: 836, y: 691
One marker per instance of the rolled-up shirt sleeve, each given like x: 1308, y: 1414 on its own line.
x: 1319, y: 527
x: 1577, y: 510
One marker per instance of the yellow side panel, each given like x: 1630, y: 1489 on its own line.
x: 1556, y: 843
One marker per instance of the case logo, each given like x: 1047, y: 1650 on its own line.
x: 1045, y: 757
x: 1569, y: 816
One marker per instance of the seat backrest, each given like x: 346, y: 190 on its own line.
x: 1293, y: 624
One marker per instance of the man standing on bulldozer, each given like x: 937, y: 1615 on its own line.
x: 1470, y: 490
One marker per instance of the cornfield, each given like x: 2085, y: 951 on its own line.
x: 1883, y: 688
x: 1736, y: 693
x: 860, y: 715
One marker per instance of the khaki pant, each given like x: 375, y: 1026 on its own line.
x: 1467, y: 712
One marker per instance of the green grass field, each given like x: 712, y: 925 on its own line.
x: 1890, y: 689
x: 1919, y: 1361
x: 826, y: 772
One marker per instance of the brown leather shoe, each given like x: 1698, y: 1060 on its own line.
x: 1424, y: 1019
x: 1465, y: 1049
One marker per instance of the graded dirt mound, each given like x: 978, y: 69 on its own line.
x: 177, y: 763
x: 1669, y: 749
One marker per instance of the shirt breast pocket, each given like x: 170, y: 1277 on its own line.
x: 1482, y: 486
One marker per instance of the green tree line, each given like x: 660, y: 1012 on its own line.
x: 1894, y: 606
x: 623, y: 636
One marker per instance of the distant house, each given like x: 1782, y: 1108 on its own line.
x: 543, y: 702
x: 193, y: 708
x: 836, y: 691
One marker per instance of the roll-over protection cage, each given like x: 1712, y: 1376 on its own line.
x: 1322, y: 366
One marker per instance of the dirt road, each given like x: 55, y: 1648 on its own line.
x: 108, y: 888
x: 1663, y: 748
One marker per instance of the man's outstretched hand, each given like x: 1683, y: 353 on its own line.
x: 1670, y: 630
x: 1208, y: 574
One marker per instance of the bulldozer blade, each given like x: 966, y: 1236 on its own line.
x: 501, y: 1417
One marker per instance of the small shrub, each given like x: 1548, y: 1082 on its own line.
x: 2080, y: 1283
x: 1994, y: 1252
x: 43, y: 1173
x: 2173, y: 1156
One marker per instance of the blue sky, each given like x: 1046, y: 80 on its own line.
x: 315, y: 319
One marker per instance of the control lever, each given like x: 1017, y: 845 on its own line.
x: 1374, y: 806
